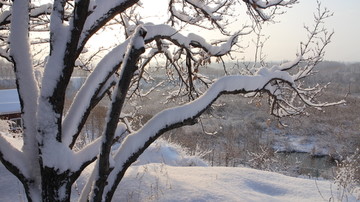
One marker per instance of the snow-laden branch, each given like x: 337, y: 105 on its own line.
x: 93, y: 86
x: 133, y: 51
x: 259, y: 6
x: 135, y: 143
x: 197, y: 12
x: 289, y: 65
x: 90, y: 152
x: 269, y: 3
x: 309, y: 102
x: 20, y: 54
x: 5, y: 17
x: 208, y: 11
x: 100, y: 13
x: 14, y: 159
x: 191, y: 40
x: 35, y: 11
x: 87, y: 154
x: 59, y: 34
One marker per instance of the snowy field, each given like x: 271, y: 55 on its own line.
x: 163, y: 174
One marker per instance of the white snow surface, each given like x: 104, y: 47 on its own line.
x: 149, y: 181
x: 170, y: 154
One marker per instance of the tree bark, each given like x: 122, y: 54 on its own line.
x: 127, y: 72
x: 56, y: 187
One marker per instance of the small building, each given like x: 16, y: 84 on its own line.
x: 10, y: 107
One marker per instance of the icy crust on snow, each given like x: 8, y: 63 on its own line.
x: 173, y: 34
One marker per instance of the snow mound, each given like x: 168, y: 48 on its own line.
x: 162, y: 151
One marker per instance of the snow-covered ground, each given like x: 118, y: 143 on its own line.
x: 151, y: 180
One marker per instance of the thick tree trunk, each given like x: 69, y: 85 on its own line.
x: 56, y: 187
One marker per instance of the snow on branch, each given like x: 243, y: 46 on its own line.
x: 259, y: 7
x: 91, y: 89
x: 90, y: 152
x: 289, y: 65
x: 133, y: 51
x: 87, y: 154
x: 20, y: 54
x: 196, y: 12
x: 36, y: 11
x: 169, y: 33
x: 100, y: 13
x: 14, y: 159
x: 5, y: 17
x: 270, y: 3
x: 98, y: 79
x: 135, y: 143
x: 208, y: 11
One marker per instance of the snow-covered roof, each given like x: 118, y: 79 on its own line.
x: 9, y: 102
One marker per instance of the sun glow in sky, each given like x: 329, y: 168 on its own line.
x: 286, y: 35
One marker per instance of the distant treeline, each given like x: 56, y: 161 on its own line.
x: 341, y: 75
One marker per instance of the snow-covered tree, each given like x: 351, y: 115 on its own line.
x: 48, y: 163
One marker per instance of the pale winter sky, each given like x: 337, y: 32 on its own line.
x: 285, y: 36
x: 345, y: 45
